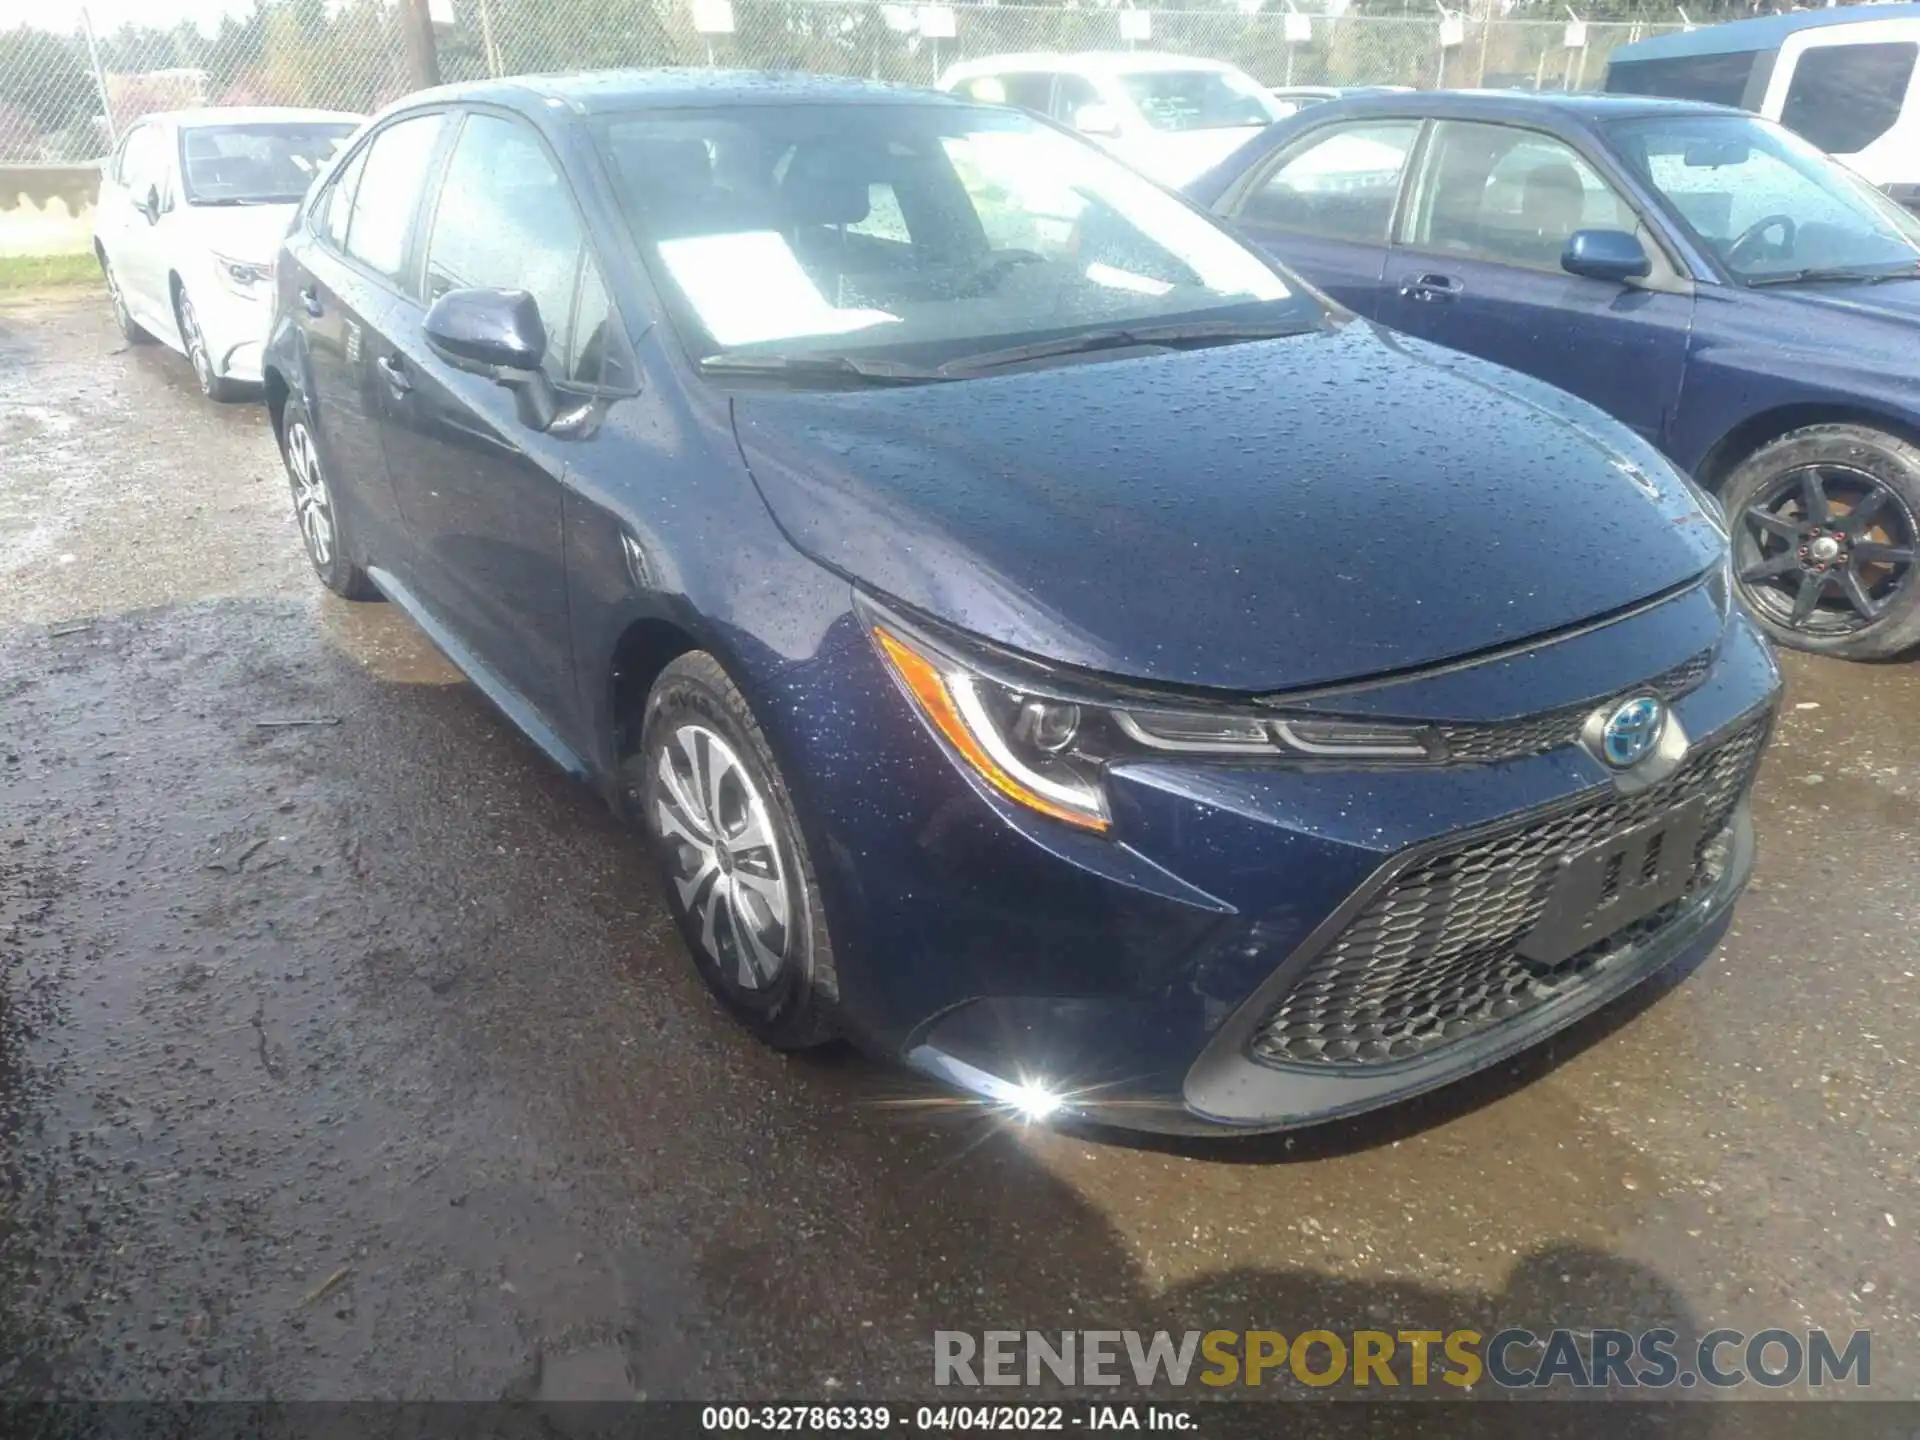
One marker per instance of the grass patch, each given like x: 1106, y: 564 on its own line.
x: 38, y: 272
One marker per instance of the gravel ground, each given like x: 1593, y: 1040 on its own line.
x: 355, y: 1056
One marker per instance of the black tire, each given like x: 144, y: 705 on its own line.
x: 130, y: 329
x: 791, y: 1004
x: 316, y: 510
x: 217, y: 388
x: 1815, y: 577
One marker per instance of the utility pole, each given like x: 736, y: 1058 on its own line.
x: 99, y: 78
x: 416, y: 31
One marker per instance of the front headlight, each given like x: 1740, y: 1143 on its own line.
x: 245, y: 278
x: 1048, y: 748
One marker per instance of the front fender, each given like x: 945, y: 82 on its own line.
x: 1745, y: 366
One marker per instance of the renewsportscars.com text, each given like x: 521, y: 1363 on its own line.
x: 1511, y: 1359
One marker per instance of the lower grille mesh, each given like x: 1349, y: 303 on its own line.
x: 1431, y: 959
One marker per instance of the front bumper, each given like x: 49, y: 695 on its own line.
x: 1135, y: 981
x: 234, y: 327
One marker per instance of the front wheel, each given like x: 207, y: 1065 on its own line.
x: 214, y: 387
x: 1825, y: 525
x: 738, y: 880
x: 322, y: 530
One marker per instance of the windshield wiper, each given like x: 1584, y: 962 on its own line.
x: 818, y: 367
x: 1173, y: 336
x: 1837, y: 275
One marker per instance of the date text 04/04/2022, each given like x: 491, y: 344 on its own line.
x: 815, y: 1419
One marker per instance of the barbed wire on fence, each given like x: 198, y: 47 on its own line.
x: 63, y: 98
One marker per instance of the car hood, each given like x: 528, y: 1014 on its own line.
x: 239, y: 232
x: 1253, y: 517
x: 1889, y: 299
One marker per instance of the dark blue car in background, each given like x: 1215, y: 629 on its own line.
x: 1042, y: 640
x: 1705, y: 276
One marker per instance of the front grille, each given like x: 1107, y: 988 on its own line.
x: 1431, y: 960
x: 1511, y: 739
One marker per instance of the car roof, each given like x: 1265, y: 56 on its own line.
x: 1579, y: 107
x: 602, y: 91
x: 252, y: 115
x: 1087, y: 62
x: 1763, y: 32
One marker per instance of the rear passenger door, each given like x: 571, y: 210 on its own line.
x: 1477, y: 268
x: 481, y: 490
x: 1324, y: 204
x: 349, y: 296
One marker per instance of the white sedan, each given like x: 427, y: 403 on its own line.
x: 1168, y: 116
x: 193, y: 206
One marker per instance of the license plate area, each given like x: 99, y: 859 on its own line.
x: 1608, y: 886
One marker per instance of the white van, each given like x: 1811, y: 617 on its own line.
x: 1846, y: 78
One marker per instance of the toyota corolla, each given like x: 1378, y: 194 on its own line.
x: 1043, y: 640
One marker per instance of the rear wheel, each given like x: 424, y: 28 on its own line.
x: 1825, y: 526
x: 738, y: 880
x: 322, y: 531
x: 130, y: 329
x: 214, y: 387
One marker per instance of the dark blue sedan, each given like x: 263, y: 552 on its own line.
x: 1041, y: 640
x: 1705, y: 276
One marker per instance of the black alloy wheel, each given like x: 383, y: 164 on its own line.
x: 1826, y: 523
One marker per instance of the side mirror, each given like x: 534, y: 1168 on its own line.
x: 1096, y: 120
x: 498, y: 334
x: 149, y: 204
x: 1606, y: 255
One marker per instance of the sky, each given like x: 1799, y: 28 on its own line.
x: 64, y: 15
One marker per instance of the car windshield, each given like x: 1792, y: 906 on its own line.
x: 264, y: 164
x: 1765, y: 202
x: 1198, y: 99
x: 919, y: 233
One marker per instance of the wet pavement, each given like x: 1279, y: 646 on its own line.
x: 346, y: 1049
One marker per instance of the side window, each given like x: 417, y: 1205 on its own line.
x: 137, y: 170
x: 1716, y: 79
x: 380, y: 215
x: 1512, y: 197
x: 1341, y: 182
x: 594, y: 357
x: 335, y: 206
x: 117, y: 168
x: 506, y: 221
x: 1844, y: 97
x: 1071, y: 94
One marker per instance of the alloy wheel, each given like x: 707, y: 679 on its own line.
x: 312, y: 501
x: 1825, y: 549
x: 196, y: 345
x: 723, y: 857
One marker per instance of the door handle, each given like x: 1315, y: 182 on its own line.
x: 310, y: 301
x: 1430, y: 287
x: 395, y: 373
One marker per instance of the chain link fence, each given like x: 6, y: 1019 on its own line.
x: 63, y: 98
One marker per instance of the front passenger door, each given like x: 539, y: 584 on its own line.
x: 1324, y: 205
x: 130, y: 237
x: 480, y: 489
x: 1478, y: 269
